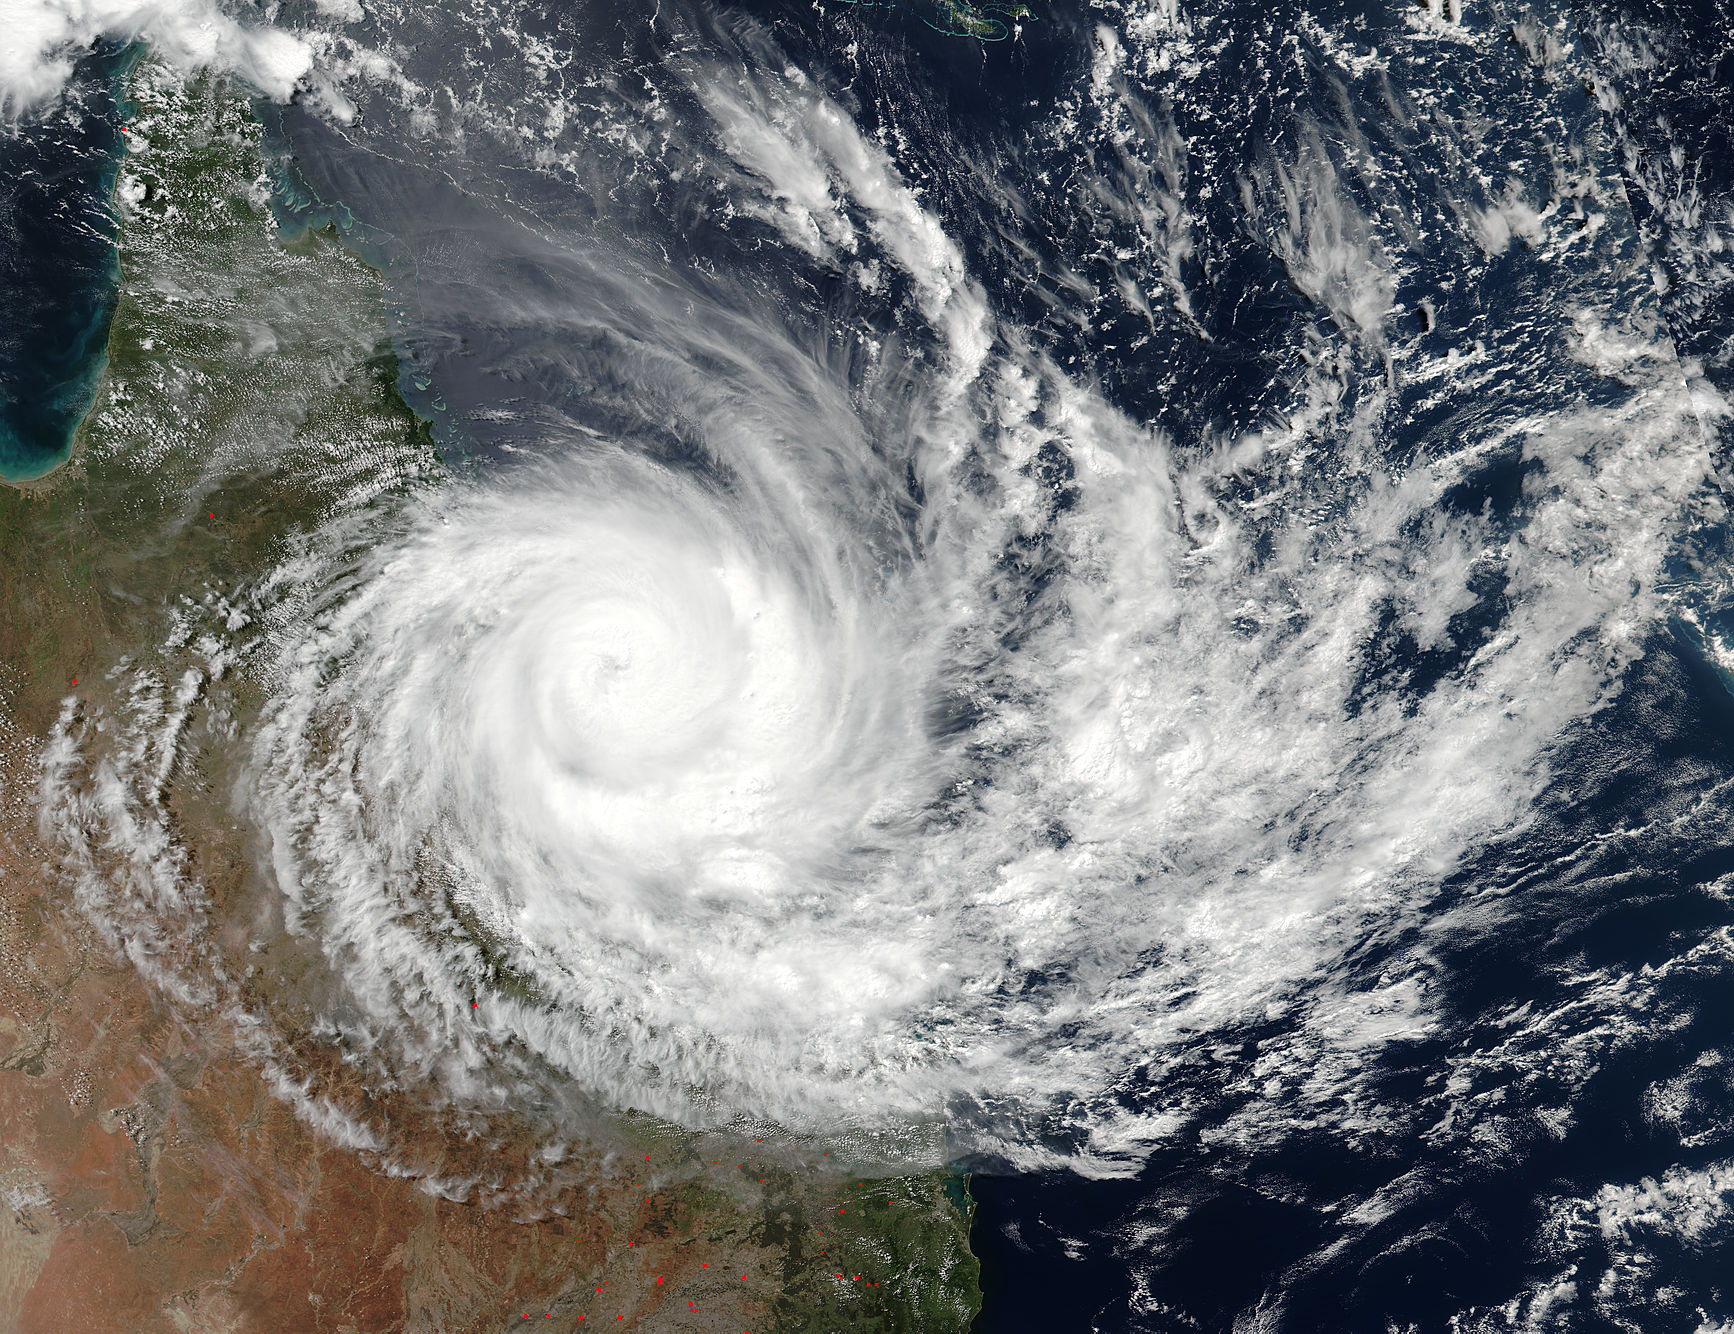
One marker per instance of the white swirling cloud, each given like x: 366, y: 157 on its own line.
x: 673, y: 778
x: 650, y: 764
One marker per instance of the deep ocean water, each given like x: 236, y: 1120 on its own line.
x: 1131, y: 599
x: 57, y: 246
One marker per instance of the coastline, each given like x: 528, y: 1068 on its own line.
x: 57, y: 389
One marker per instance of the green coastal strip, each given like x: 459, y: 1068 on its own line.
x: 39, y: 424
x: 250, y: 400
x: 248, y: 393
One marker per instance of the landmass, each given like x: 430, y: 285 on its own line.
x: 151, y: 1179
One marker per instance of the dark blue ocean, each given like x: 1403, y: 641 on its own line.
x: 1138, y: 192
x: 1624, y: 872
x: 58, y: 271
x: 1527, y: 1219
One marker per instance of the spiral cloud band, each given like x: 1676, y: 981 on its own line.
x: 671, y: 781
x: 920, y: 735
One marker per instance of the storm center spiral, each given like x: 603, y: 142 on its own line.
x: 629, y: 750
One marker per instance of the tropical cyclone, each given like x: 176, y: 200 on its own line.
x: 153, y: 1174
x: 793, y: 753
x: 1134, y: 602
x: 590, y: 728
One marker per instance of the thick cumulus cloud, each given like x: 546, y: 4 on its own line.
x: 854, y: 761
x: 674, y: 773
x: 680, y: 767
x: 44, y: 37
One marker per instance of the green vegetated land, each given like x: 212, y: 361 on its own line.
x: 251, y: 400
x: 908, y: 1263
x: 250, y: 394
x: 847, y: 1250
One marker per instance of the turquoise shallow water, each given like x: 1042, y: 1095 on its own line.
x: 1325, y: 511
x: 59, y: 271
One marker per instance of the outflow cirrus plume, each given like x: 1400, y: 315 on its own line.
x: 859, y: 761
